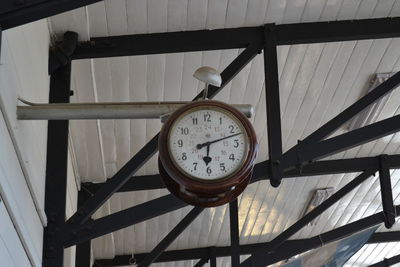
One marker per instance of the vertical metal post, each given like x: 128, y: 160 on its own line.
x: 56, y: 170
x: 234, y: 227
x: 273, y: 104
x: 83, y: 250
x: 213, y: 258
x: 386, y: 192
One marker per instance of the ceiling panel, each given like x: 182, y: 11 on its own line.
x: 317, y: 81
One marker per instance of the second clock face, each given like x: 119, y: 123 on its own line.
x: 208, y: 143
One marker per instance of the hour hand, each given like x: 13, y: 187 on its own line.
x: 207, y: 160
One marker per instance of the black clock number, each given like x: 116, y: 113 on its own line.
x: 180, y: 143
x: 209, y: 171
x: 184, y: 131
x: 207, y: 117
x: 184, y: 157
x: 194, y: 165
x: 220, y: 120
x: 236, y: 144
x: 232, y: 157
x: 194, y: 121
x: 222, y: 166
x: 231, y: 127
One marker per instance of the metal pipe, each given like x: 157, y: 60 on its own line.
x: 91, y: 111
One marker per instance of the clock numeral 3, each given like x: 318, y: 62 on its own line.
x: 236, y: 143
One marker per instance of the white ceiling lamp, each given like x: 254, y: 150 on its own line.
x: 371, y: 113
x: 319, y: 196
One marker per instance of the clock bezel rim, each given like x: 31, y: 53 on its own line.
x: 208, y: 187
x: 233, y: 117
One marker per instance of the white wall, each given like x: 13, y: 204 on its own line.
x: 23, y: 73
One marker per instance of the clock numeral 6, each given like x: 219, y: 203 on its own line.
x: 209, y: 171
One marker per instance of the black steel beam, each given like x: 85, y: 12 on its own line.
x: 336, y: 31
x: 290, y: 157
x: 289, y: 248
x: 171, y: 42
x: 18, y: 14
x: 234, y: 229
x: 322, y: 167
x: 83, y: 250
x: 127, y: 171
x: 56, y: 170
x: 121, y: 219
x: 201, y: 262
x: 259, y: 255
x: 385, y: 237
x: 297, y: 33
x: 346, y: 141
x: 273, y: 107
x: 386, y: 192
x: 178, y: 229
x: 387, y: 262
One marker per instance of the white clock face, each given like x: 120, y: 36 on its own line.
x: 208, y: 143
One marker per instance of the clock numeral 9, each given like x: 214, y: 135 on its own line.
x: 232, y: 157
x: 184, y: 157
x: 194, y: 165
x: 222, y: 166
x: 180, y: 143
x: 236, y: 143
x: 207, y: 117
x: 209, y: 171
x: 185, y: 131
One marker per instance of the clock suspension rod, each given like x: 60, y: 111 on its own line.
x: 98, y: 111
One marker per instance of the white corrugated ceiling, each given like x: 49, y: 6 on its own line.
x: 316, y: 82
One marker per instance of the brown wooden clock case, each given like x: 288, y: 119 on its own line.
x: 200, y: 192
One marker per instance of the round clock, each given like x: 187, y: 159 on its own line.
x: 206, y: 153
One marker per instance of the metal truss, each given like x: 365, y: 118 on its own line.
x: 387, y: 262
x: 301, y: 160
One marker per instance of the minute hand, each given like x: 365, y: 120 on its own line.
x: 199, y: 146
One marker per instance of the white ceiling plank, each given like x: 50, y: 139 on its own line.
x: 299, y: 88
x: 314, y: 91
x: 196, y: 14
x: 177, y: 15
x: 275, y: 11
x: 290, y: 69
x: 227, y: 56
x: 348, y: 9
x: 104, y: 93
x: 331, y: 10
x: 255, y: 14
x: 157, y: 14
x: 294, y: 11
x: 97, y: 19
x: 117, y: 20
x: 236, y: 13
x: 313, y: 10
x: 173, y: 76
x: 216, y: 14
x: 137, y: 16
x: 366, y: 9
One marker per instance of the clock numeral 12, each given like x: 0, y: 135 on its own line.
x: 207, y: 117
